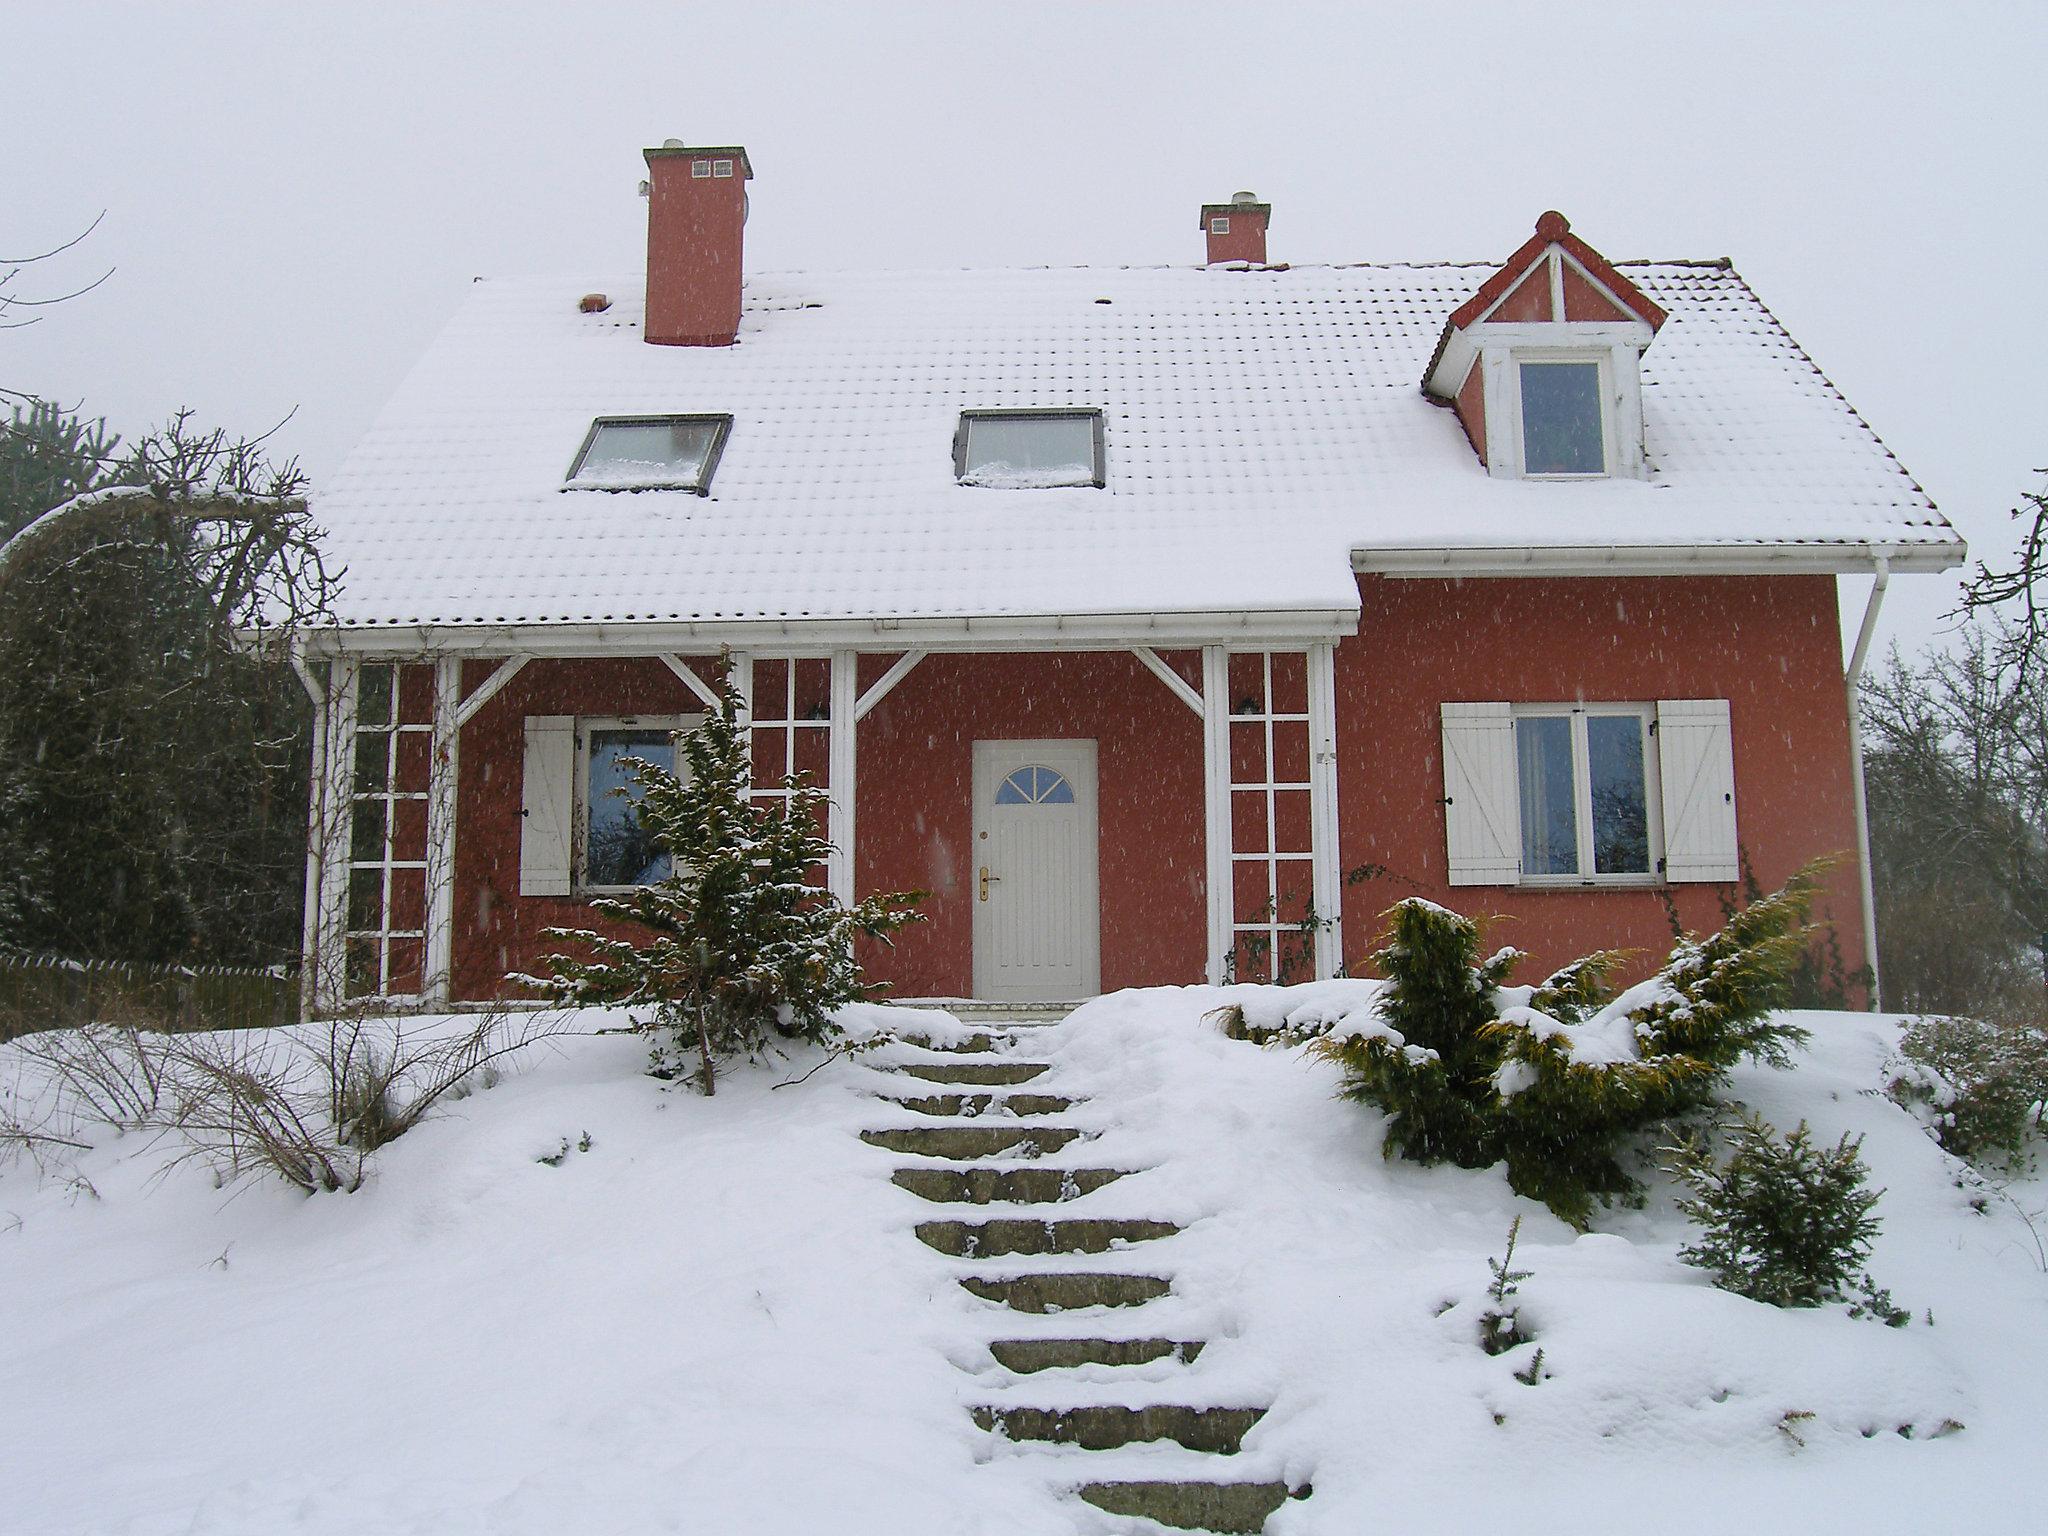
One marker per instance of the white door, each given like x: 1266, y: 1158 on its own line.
x: 1037, y: 926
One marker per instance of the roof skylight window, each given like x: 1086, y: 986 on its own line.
x: 650, y: 453
x: 1029, y: 450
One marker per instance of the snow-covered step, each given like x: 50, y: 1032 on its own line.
x: 986, y: 1105
x: 1003, y: 1186
x: 1105, y: 1426
x: 1067, y: 1290
x: 965, y: 1143
x: 1008, y: 1235
x: 1228, y: 1507
x: 1024, y: 1356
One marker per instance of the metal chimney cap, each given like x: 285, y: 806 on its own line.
x: 1244, y: 199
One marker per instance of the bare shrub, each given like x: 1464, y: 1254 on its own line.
x: 306, y: 1104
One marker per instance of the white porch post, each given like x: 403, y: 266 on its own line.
x: 324, y: 962
x: 1221, y: 881
x: 443, y: 774
x: 840, y: 772
x: 1326, y: 874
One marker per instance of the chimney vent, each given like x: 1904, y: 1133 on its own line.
x: 1236, y: 230
x: 696, y: 211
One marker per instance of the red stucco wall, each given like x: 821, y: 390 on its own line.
x: 1770, y: 646
x: 915, y: 816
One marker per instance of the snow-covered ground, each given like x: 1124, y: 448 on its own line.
x: 717, y: 1319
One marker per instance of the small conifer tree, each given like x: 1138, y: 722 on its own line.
x: 737, y: 945
x: 1784, y: 1220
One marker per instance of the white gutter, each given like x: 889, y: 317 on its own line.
x: 1818, y: 559
x: 1168, y: 631
x: 1853, y: 682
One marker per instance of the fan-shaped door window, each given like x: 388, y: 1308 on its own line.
x: 1035, y: 784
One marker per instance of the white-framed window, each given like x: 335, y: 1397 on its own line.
x: 579, y: 831
x: 1585, y: 793
x: 1565, y: 423
x: 649, y: 453
x: 1584, y: 777
x: 1029, y: 449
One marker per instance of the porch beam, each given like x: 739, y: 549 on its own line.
x: 885, y: 684
x: 697, y: 685
x: 840, y: 771
x: 324, y: 962
x: 465, y: 711
x: 1326, y: 872
x: 1220, y: 883
x: 1173, y: 680
x: 443, y: 775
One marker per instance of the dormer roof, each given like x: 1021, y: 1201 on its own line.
x: 1582, y: 300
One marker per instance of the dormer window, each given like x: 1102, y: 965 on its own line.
x: 650, y: 453
x: 1028, y: 450
x: 1543, y: 365
x: 1563, y: 425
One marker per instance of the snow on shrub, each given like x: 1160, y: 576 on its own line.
x: 1557, y: 1080
x: 1978, y: 1086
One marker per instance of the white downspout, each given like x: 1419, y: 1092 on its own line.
x: 1854, y: 682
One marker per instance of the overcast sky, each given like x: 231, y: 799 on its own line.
x: 296, y: 195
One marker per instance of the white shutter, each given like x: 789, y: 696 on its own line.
x: 547, y: 805
x: 1696, y: 759
x: 1482, y: 810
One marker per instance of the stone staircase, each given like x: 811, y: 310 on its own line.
x: 1076, y: 1374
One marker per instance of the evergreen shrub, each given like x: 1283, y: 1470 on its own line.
x: 1559, y: 1079
x: 1784, y: 1220
x: 1978, y: 1085
x: 738, y: 946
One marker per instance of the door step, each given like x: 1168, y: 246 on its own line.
x: 981, y: 1239
x: 1231, y: 1508
x: 1027, y: 1355
x: 980, y: 1011
x: 1067, y: 1291
x: 1003, y: 1186
x: 979, y: 1074
x: 1104, y: 1427
x: 963, y: 1105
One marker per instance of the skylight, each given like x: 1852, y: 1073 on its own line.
x: 647, y: 453
x: 1029, y: 450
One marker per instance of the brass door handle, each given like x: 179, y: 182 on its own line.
x: 986, y: 877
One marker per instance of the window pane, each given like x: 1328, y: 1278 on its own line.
x: 1561, y: 419
x: 1621, y: 818
x: 619, y: 851
x: 1031, y: 450
x: 647, y: 453
x: 1550, y: 822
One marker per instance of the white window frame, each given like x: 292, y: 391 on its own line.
x: 1602, y: 362
x: 586, y: 727
x: 1582, y: 793
x: 1616, y: 347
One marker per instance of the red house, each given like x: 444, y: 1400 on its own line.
x: 1163, y: 623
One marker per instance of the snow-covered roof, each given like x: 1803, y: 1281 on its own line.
x: 1265, y: 435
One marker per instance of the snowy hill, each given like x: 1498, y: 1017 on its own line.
x: 719, y: 1318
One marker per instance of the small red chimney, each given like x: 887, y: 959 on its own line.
x: 696, y: 210
x: 1237, y: 229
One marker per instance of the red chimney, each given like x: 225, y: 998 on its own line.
x: 1237, y: 229
x: 696, y: 209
